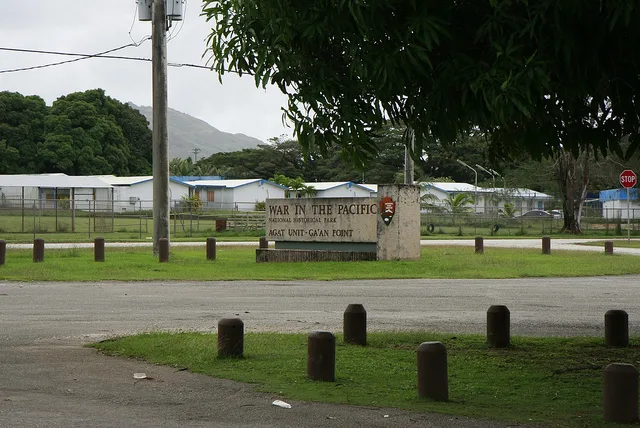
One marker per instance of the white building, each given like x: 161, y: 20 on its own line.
x: 50, y: 191
x: 487, y: 200
x: 341, y: 189
x: 614, y: 204
x: 136, y: 193
x: 242, y: 195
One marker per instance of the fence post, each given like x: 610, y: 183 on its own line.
x: 433, y: 377
x: 546, y: 245
x: 38, y: 250
x: 230, y: 337
x: 620, y: 393
x: 355, y: 325
x: 479, y: 245
x: 498, y: 326
x: 163, y: 250
x: 98, y: 249
x: 3, y: 252
x: 321, y: 356
x: 211, y: 248
x: 608, y: 247
x: 616, y: 328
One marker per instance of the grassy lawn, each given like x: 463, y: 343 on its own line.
x: 238, y: 263
x: 621, y: 243
x: 554, y: 381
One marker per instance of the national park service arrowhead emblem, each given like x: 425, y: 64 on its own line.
x: 387, y: 209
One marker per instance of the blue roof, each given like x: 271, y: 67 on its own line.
x: 618, y: 195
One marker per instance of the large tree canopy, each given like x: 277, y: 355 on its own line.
x: 538, y: 76
x: 82, y: 133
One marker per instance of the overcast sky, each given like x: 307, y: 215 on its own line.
x: 92, y: 26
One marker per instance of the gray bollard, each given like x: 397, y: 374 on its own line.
x: 211, y: 248
x: 264, y: 243
x: 355, y: 325
x: 546, y: 245
x: 608, y: 248
x: 230, y: 337
x: 38, y: 250
x: 616, y: 328
x: 163, y: 250
x: 620, y: 393
x: 3, y: 252
x: 321, y: 356
x: 479, y: 245
x: 498, y: 326
x: 98, y: 249
x: 433, y: 378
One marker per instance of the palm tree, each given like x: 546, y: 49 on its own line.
x: 509, y: 210
x: 458, y: 203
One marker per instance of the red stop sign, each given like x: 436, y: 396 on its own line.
x: 628, y: 178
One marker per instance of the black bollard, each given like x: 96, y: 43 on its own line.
x: 211, y: 248
x: 3, y: 252
x: 498, y: 326
x: 620, y: 393
x: 433, y: 379
x: 608, y: 247
x: 38, y: 250
x: 264, y: 243
x: 355, y: 325
x: 616, y: 328
x: 230, y: 337
x: 479, y: 245
x: 321, y: 356
x: 98, y: 249
x: 163, y: 250
x: 546, y: 245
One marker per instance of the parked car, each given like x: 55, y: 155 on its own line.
x: 536, y: 214
x: 557, y: 213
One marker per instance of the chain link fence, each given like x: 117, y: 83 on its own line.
x: 95, y: 217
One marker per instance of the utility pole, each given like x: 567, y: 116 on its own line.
x: 408, y: 160
x: 475, y: 193
x: 160, y: 140
x: 195, y: 154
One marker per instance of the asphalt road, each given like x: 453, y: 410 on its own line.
x: 48, y: 380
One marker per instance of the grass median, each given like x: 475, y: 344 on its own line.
x: 554, y: 381
x: 238, y: 263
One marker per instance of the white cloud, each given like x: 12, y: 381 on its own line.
x: 91, y: 26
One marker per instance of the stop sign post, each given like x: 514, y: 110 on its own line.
x: 628, y: 179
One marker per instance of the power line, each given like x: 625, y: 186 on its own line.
x: 104, y: 55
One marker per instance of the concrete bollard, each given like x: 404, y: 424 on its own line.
x: 546, y: 245
x: 98, y: 249
x: 321, y: 356
x: 608, y: 248
x: 163, y: 250
x: 230, y: 338
x: 211, y: 248
x: 38, y: 250
x: 479, y: 245
x: 616, y: 328
x: 3, y: 252
x: 433, y: 378
x: 620, y: 393
x: 264, y: 243
x: 355, y: 325
x: 498, y: 326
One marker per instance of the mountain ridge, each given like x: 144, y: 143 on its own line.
x: 187, y: 133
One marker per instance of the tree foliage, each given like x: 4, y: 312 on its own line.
x: 535, y: 76
x: 83, y: 133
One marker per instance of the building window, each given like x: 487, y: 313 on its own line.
x: 211, y: 195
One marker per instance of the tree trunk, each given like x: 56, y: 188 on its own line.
x: 573, y: 179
